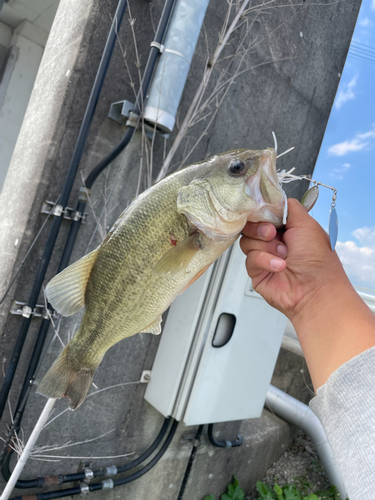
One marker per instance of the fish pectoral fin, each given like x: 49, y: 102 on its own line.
x: 66, y: 291
x: 194, y: 279
x: 154, y: 328
x: 179, y: 257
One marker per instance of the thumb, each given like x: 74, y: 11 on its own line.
x: 298, y: 218
x: 297, y: 215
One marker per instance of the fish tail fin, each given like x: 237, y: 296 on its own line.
x: 62, y: 380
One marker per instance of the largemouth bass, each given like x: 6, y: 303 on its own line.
x: 159, y: 246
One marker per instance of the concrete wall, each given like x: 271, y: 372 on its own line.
x: 291, y: 78
x: 24, y: 29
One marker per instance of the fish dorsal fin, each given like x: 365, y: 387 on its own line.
x: 154, y: 328
x: 66, y: 291
x: 179, y: 257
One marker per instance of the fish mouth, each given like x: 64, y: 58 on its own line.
x: 264, y: 188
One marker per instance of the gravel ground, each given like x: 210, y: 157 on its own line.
x: 299, y: 461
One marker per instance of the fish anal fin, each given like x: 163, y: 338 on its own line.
x: 154, y: 328
x: 179, y: 257
x: 66, y: 291
x: 62, y: 380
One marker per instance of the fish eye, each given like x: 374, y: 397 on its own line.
x: 237, y: 167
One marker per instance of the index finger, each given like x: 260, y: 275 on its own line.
x: 264, y: 231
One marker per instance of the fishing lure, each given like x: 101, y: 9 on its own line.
x: 310, y: 197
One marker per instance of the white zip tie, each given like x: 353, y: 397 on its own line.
x: 275, y: 141
x: 285, y: 152
x: 285, y: 214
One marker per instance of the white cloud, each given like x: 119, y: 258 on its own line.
x: 366, y: 21
x: 346, y: 147
x: 359, y: 260
x: 373, y: 5
x: 359, y: 142
x: 338, y: 172
x: 346, y: 93
x: 365, y: 235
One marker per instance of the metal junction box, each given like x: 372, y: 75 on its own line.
x: 218, y: 348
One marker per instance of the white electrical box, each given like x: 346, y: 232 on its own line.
x: 218, y: 348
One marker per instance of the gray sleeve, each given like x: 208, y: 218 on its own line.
x: 345, y: 406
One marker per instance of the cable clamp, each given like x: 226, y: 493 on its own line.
x: 85, y: 489
x: 76, y: 216
x: 26, y: 311
x: 57, y: 210
x: 89, y: 474
x: 22, y: 309
x: 107, y: 484
x: 84, y: 194
x: 158, y: 46
x: 111, y: 471
x: 49, y: 208
x: 133, y: 120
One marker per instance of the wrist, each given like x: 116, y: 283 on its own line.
x: 326, y: 300
x: 333, y: 325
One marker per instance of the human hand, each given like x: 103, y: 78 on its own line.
x: 298, y: 274
x: 289, y: 268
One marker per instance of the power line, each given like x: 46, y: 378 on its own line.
x: 364, y: 51
x: 354, y: 51
x: 360, y: 58
x: 363, y: 45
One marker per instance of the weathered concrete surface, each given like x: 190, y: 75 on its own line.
x: 291, y: 375
x: 290, y: 90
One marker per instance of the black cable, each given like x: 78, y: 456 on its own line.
x: 77, y: 154
x: 190, y: 463
x: 222, y: 444
x: 148, y: 452
x: 150, y: 66
x: 28, y: 383
x: 116, y: 482
x: 39, y: 482
x: 149, y: 69
x: 154, y: 461
x: 146, y: 79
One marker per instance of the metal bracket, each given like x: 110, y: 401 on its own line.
x: 145, y: 377
x: 49, y: 208
x: 22, y: 309
x: 132, y: 120
x: 89, y: 474
x: 85, y: 489
x: 120, y: 111
x: 84, y: 194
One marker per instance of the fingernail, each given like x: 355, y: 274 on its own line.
x: 282, y: 251
x: 276, y: 263
x: 263, y: 231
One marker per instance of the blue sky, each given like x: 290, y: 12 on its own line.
x: 347, y: 156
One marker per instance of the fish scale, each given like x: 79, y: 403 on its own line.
x: 159, y: 245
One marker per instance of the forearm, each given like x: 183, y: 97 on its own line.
x: 333, y: 326
x: 309, y: 285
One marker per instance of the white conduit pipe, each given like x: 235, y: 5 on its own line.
x: 27, y: 450
x: 173, y: 67
x: 299, y: 414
